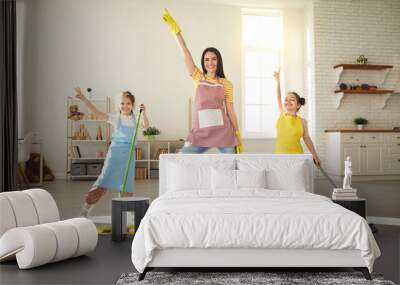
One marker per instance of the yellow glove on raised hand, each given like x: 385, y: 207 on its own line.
x: 239, y: 148
x: 171, y: 22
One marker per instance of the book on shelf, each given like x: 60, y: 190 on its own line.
x: 335, y: 197
x: 140, y: 173
x: 159, y: 152
x: 344, y: 194
x: 78, y: 151
x: 75, y: 151
x: 339, y: 190
x: 138, y: 153
x: 154, y: 173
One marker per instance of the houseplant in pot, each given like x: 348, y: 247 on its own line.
x: 151, y: 133
x: 360, y: 122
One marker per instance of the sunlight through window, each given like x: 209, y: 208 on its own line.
x: 261, y: 45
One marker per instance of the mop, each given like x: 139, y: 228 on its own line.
x: 107, y: 229
x: 327, y: 176
x: 128, y: 166
x: 130, y: 229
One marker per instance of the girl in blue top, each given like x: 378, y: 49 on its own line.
x: 111, y: 177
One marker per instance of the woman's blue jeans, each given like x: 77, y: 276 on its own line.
x: 202, y: 149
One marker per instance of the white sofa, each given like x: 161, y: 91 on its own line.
x: 31, y: 230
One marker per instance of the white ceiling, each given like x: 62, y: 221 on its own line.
x: 276, y: 4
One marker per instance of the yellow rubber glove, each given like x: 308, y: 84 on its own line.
x: 239, y: 148
x: 171, y: 22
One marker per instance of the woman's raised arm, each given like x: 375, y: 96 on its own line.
x: 176, y: 30
x: 278, y: 90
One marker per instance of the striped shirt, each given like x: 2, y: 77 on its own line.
x: 228, y: 87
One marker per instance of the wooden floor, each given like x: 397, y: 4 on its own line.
x: 383, y: 197
x: 110, y: 259
x: 69, y: 196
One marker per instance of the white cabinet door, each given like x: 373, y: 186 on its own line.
x: 371, y: 159
x: 354, y: 151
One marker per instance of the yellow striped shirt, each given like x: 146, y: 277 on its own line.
x: 228, y: 87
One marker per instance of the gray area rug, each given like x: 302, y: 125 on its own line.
x: 231, y: 278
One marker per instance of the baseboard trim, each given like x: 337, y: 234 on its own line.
x: 107, y: 219
x: 59, y: 175
x: 389, y: 221
x: 100, y: 219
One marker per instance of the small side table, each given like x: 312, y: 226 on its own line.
x: 138, y: 205
x: 357, y: 206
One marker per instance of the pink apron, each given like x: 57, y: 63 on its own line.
x: 211, y: 125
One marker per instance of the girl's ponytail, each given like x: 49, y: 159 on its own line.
x: 300, y: 100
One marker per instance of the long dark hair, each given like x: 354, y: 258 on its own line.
x: 220, y: 66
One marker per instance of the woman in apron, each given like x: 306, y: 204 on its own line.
x: 214, y: 119
x: 290, y: 127
x: 111, y: 177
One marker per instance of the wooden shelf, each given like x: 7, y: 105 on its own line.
x: 73, y: 99
x: 88, y: 121
x: 384, y: 70
x: 362, y: 66
x: 380, y: 75
x: 89, y: 141
x: 378, y: 91
x: 87, y: 158
x: 383, y: 95
x: 367, y: 130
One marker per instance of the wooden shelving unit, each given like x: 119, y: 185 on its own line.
x: 88, y: 158
x: 89, y: 141
x: 149, y: 153
x: 90, y: 146
x: 378, y: 71
x: 149, y: 149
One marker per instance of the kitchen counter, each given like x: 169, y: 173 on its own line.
x: 367, y: 130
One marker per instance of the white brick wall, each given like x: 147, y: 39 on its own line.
x: 343, y: 30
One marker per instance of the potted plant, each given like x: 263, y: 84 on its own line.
x: 360, y: 122
x: 151, y: 133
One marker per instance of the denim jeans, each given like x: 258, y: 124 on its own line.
x: 189, y: 148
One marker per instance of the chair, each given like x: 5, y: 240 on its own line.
x: 24, y: 153
x: 31, y: 231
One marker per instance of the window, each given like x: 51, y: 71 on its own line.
x: 262, y: 52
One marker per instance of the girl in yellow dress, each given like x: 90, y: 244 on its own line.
x: 290, y: 127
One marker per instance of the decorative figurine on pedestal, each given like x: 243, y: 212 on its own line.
x: 346, y: 192
x: 347, y: 174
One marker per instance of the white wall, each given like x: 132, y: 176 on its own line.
x: 124, y: 45
x: 343, y: 30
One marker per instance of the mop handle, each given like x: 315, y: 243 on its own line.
x: 327, y: 176
x: 130, y: 154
